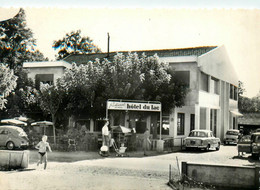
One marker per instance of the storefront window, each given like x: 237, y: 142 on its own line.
x: 140, y: 125
x: 165, y: 125
x: 180, y: 124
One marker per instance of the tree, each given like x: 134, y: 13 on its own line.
x: 241, y: 88
x: 74, y: 43
x: 16, y: 47
x: 50, y: 98
x: 17, y: 42
x: 88, y: 87
x: 81, y: 85
x: 7, y: 84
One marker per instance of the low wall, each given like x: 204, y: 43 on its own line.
x: 14, y: 159
x: 242, y: 177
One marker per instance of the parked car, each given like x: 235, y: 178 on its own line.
x: 244, y: 144
x: 257, y: 130
x: 231, y: 136
x: 202, y: 139
x: 250, y: 144
x: 13, y: 137
x: 255, y: 139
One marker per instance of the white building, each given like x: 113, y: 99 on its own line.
x: 46, y: 71
x: 210, y: 104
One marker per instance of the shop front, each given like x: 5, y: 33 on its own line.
x: 137, y: 116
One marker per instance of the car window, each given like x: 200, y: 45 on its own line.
x: 257, y: 140
x: 3, y: 132
x: 245, y: 139
x: 232, y: 133
x: 197, y: 134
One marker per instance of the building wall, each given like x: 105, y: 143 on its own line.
x: 218, y: 68
x: 187, y: 110
x: 57, y: 72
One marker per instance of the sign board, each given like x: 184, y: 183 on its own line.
x: 133, y: 106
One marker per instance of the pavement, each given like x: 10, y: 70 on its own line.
x: 88, y: 170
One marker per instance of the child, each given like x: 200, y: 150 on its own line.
x: 42, y: 147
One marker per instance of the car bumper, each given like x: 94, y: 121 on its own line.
x: 233, y: 141
x: 195, y: 146
x: 24, y: 145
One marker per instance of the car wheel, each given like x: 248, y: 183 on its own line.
x: 10, y: 145
x: 207, y: 149
x: 218, y: 147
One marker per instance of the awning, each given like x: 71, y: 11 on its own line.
x: 236, y: 112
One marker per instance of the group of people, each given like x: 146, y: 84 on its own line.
x: 43, y: 145
x: 106, y: 138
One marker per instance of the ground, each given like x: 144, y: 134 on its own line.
x: 88, y: 170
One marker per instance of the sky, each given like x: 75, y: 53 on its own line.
x: 145, y: 25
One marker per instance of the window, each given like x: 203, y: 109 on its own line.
x: 180, y: 124
x: 192, y: 122
x: 198, y: 134
x: 141, y: 125
x: 183, y: 77
x: 204, y: 82
x: 4, y: 132
x: 233, y: 92
x: 214, y: 85
x: 213, y: 121
x: 234, y: 123
x: 165, y: 125
x: 44, y: 78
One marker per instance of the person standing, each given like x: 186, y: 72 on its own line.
x: 42, y: 150
x: 146, y: 142
x: 105, y: 133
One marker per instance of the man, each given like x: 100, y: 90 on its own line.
x: 105, y: 133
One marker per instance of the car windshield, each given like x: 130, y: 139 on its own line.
x: 198, y: 134
x: 255, y: 138
x: 232, y: 133
x: 246, y: 138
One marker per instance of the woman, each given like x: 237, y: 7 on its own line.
x: 146, y: 142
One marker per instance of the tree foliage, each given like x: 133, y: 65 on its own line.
x: 88, y: 87
x: 245, y: 104
x: 241, y: 88
x: 7, y: 84
x: 74, y: 43
x: 17, y: 42
x: 16, y: 47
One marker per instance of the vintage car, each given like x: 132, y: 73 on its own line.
x: 244, y: 144
x: 201, y: 139
x: 250, y: 144
x: 13, y: 137
x: 231, y: 136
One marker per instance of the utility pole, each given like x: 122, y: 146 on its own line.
x: 108, y: 41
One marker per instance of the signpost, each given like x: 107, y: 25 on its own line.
x: 135, y: 105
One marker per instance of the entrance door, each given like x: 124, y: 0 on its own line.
x: 213, y: 121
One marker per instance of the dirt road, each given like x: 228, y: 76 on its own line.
x: 113, y: 173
